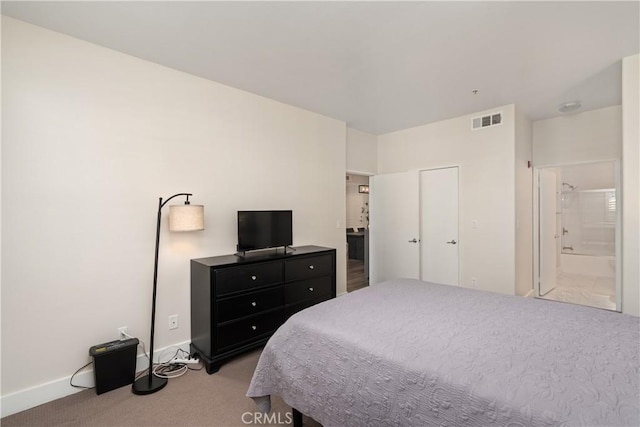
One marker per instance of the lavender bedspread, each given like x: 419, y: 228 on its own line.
x: 412, y: 353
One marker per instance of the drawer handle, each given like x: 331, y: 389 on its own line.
x: 253, y: 277
x: 254, y: 304
x: 311, y: 267
x: 311, y: 289
x: 254, y: 327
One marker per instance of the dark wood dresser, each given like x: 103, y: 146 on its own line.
x: 237, y: 303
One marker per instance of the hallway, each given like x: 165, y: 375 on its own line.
x: 356, y: 278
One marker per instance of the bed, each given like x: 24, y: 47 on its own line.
x: 412, y: 353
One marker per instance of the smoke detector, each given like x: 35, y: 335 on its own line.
x: 569, y: 107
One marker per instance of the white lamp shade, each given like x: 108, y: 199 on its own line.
x: 186, y: 217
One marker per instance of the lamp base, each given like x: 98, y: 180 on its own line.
x: 143, y: 386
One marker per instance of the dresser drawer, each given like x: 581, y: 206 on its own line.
x: 253, y: 303
x: 307, y: 290
x: 237, y: 279
x: 308, y: 267
x: 237, y: 332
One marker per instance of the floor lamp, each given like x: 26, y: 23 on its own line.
x: 185, y: 217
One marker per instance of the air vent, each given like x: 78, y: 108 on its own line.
x: 493, y: 119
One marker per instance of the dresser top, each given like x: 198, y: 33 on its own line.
x: 260, y: 256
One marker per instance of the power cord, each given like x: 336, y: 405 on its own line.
x: 165, y: 369
x: 186, y: 355
x: 76, y: 373
x: 171, y: 369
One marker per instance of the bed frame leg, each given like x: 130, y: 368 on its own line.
x: 297, y: 418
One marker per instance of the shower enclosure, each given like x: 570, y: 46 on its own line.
x: 578, y: 230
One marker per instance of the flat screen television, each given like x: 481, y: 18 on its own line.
x: 264, y: 229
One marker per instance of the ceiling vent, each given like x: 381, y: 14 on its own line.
x: 489, y: 120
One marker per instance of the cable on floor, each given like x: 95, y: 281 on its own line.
x: 75, y: 373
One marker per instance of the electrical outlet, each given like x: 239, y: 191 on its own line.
x: 474, y: 282
x: 173, y: 321
x: 122, y: 330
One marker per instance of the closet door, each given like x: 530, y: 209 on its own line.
x: 394, y: 229
x: 439, y: 226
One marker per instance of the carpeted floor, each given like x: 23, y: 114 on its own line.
x: 195, y: 399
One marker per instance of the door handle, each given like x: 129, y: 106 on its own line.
x: 413, y: 241
x: 452, y: 242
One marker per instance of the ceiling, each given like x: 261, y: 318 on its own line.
x: 378, y: 66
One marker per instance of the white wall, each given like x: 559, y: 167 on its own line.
x: 581, y: 137
x: 91, y: 139
x: 524, y: 204
x: 631, y: 185
x: 362, y: 153
x: 487, y: 188
x: 589, y: 176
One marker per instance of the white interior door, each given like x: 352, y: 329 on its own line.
x: 548, y: 233
x: 394, y: 230
x: 439, y: 226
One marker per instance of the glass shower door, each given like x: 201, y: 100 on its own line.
x: 548, y: 212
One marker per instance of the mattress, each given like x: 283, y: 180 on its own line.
x: 413, y: 353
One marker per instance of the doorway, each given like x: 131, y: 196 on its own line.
x: 357, y: 231
x: 579, y: 234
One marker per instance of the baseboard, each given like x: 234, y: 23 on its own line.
x: 56, y: 389
x: 529, y: 294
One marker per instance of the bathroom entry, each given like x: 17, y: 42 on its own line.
x: 578, y: 234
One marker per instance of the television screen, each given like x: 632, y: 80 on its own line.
x: 264, y: 229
